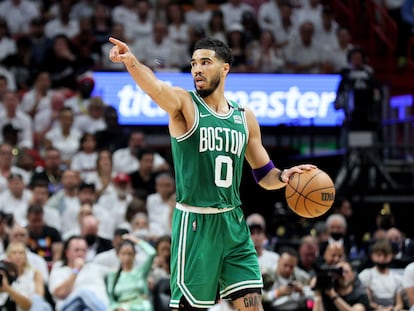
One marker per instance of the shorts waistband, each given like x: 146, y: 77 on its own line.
x: 202, y: 210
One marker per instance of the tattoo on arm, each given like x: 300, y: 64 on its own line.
x: 252, y: 301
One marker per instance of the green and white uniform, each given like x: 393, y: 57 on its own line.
x: 211, y: 245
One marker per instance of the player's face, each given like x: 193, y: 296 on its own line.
x: 206, y: 70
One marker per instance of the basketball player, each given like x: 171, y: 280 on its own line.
x: 210, y: 136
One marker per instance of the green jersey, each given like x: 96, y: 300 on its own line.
x: 208, y: 159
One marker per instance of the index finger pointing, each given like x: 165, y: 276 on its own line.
x: 116, y: 41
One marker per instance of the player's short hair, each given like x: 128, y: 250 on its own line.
x: 223, y: 52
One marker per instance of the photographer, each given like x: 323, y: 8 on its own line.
x: 287, y: 288
x: 342, y: 292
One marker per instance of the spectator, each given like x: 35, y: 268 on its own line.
x: 84, y: 161
x: 161, y: 264
x: 40, y: 196
x: 233, y: 11
x: 80, y: 101
x: 89, y: 228
x: 61, y: 62
x: 178, y: 30
x: 265, y: 57
x: 116, y: 203
x: 134, y: 207
x: 18, y: 15
x: 66, y: 200
x: 336, y: 56
x: 237, y: 42
x: 43, y: 239
x: 51, y: 172
x: 19, y: 234
x: 384, y: 287
x: 64, y: 137
x: 7, y: 168
x: 85, y: 209
x: 7, y: 44
x: 158, y: 51
x: 15, y: 200
x: 408, y: 284
x: 20, y: 120
x: 38, y: 97
x: 125, y: 159
x: 308, y: 254
x: 76, y: 283
x: 101, y: 23
x: 198, y: 15
x: 62, y: 24
x: 4, y: 238
x: 143, y: 26
x: 215, y: 28
x: 128, y: 287
x: 158, y: 203
x: 289, y: 288
x: 347, y: 293
x: 40, y: 43
x: 303, y: 54
x: 359, y: 94
x: 47, y: 119
x: 267, y: 259
x: 325, y: 32
x: 143, y: 229
x: 286, y: 31
x: 337, y: 231
x: 125, y: 13
x: 87, y: 45
x: 103, y: 176
x: 81, y: 9
x: 114, y: 136
x: 27, y: 291
x: 143, y: 179
x: 269, y: 14
x: 93, y: 121
x: 333, y: 254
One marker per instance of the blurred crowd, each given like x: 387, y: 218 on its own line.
x: 85, y: 204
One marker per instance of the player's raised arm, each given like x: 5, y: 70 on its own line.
x: 168, y: 98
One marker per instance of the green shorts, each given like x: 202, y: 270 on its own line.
x: 211, y: 252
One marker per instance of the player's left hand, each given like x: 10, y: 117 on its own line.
x: 298, y: 169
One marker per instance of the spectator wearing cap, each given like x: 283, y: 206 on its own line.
x: 267, y: 259
x: 15, y: 200
x: 20, y: 120
x: 116, y: 203
x: 79, y: 102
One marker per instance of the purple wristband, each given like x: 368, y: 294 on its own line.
x: 259, y: 173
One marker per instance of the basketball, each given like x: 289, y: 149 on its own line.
x: 310, y: 194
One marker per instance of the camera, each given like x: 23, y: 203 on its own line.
x: 326, y: 276
x: 10, y: 270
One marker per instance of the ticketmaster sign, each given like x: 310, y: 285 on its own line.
x: 295, y: 100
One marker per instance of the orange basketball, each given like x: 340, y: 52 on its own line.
x: 310, y: 194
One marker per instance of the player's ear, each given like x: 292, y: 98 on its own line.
x: 226, y: 68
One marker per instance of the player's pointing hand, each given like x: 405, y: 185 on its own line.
x: 119, y: 52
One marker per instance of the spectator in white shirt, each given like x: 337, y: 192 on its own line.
x: 84, y: 161
x: 18, y: 15
x: 20, y: 120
